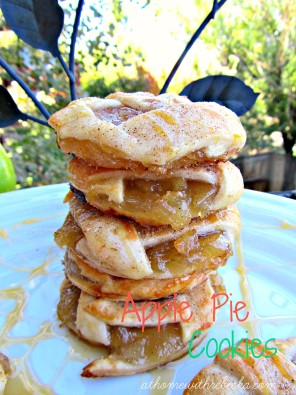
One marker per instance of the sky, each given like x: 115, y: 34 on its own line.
x: 157, y: 29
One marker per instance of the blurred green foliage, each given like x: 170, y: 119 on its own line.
x: 36, y: 158
x: 256, y: 41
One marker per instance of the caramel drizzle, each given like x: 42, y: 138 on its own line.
x: 3, y: 234
x: 22, y: 379
x: 34, y: 220
x: 250, y: 325
x: 284, y: 225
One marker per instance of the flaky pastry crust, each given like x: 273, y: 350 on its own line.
x: 117, y: 246
x: 99, y: 284
x: 130, y: 130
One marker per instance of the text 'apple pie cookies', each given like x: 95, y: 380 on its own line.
x: 151, y: 218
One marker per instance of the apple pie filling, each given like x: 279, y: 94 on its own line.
x: 177, y: 258
x: 171, y: 201
x: 134, y: 346
x: 189, y: 253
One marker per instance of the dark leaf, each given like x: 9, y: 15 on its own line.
x: 228, y: 91
x: 38, y: 23
x: 9, y: 112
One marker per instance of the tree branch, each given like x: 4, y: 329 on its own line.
x: 253, y: 75
x: 216, y: 6
x: 70, y: 75
x: 25, y: 87
x: 72, y: 47
x: 28, y: 116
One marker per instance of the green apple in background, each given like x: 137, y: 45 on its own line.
x: 7, y: 174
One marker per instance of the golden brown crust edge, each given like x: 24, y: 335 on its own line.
x: 5, y: 371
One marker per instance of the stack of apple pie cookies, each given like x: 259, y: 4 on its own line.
x: 151, y: 218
